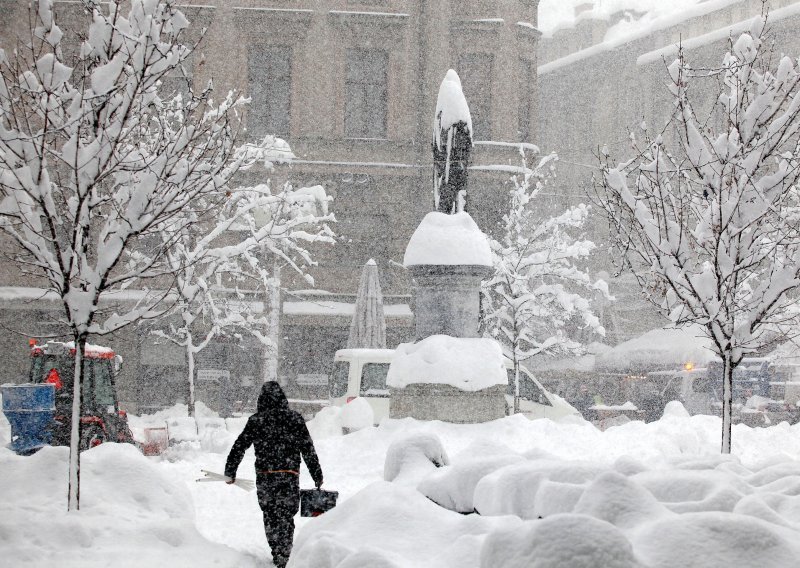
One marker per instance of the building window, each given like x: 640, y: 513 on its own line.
x: 270, y: 88
x: 525, y: 88
x: 475, y: 72
x: 366, y: 93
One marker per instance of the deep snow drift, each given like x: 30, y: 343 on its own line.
x: 648, y: 495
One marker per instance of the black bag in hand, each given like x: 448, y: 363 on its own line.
x: 314, y: 502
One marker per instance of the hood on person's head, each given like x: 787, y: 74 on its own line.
x: 272, y: 397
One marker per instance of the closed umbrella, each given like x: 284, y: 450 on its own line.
x: 368, y: 328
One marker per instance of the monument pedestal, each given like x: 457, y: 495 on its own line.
x: 446, y: 299
x: 447, y: 403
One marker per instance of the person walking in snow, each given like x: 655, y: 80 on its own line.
x: 280, y: 437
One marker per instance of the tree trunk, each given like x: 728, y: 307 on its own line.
x: 74, y: 487
x: 516, y: 384
x: 727, y: 401
x: 270, y: 364
x: 190, y: 372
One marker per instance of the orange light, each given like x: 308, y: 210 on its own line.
x: 689, y: 366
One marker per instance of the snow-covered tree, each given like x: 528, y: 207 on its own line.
x: 538, y: 289
x: 84, y: 180
x: 221, y: 270
x: 705, y: 213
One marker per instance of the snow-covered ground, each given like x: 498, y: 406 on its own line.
x: 638, y: 494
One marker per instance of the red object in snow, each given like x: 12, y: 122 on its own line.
x: 54, y: 378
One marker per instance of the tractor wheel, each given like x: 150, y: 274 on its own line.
x: 91, y: 436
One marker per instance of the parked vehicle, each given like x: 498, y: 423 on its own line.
x: 362, y: 373
x: 101, y: 418
x: 756, y: 390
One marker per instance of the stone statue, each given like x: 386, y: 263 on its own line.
x: 452, y: 146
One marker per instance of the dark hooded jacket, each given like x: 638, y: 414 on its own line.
x: 279, y: 435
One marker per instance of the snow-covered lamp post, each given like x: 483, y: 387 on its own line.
x: 449, y: 373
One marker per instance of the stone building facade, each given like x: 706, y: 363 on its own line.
x: 351, y: 85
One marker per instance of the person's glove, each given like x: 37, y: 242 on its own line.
x: 318, y: 483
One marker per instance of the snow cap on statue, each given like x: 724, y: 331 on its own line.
x: 451, y: 240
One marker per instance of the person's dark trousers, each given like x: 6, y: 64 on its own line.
x: 279, y: 499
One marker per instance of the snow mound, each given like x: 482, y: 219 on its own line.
x: 782, y: 510
x: 617, y: 500
x: 357, y: 414
x: 450, y: 240
x: 686, y: 491
x: 388, y: 525
x: 577, y: 541
x: 533, y: 489
x: 453, y: 487
x: 132, y: 513
x: 675, y: 409
x: 409, y: 459
x: 717, y: 540
x: 109, y: 467
x: 327, y: 423
x: 469, y: 364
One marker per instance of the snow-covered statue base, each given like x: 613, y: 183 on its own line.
x: 447, y: 257
x: 449, y: 374
x: 453, y: 379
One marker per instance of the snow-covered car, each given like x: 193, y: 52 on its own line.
x: 362, y: 373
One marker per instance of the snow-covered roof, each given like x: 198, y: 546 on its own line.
x: 450, y: 240
x: 559, y: 14
x: 659, y: 348
x: 469, y: 364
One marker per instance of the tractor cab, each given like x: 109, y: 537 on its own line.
x: 101, y: 418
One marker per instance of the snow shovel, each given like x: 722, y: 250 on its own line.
x: 246, y: 484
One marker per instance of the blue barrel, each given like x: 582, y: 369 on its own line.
x: 29, y: 409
